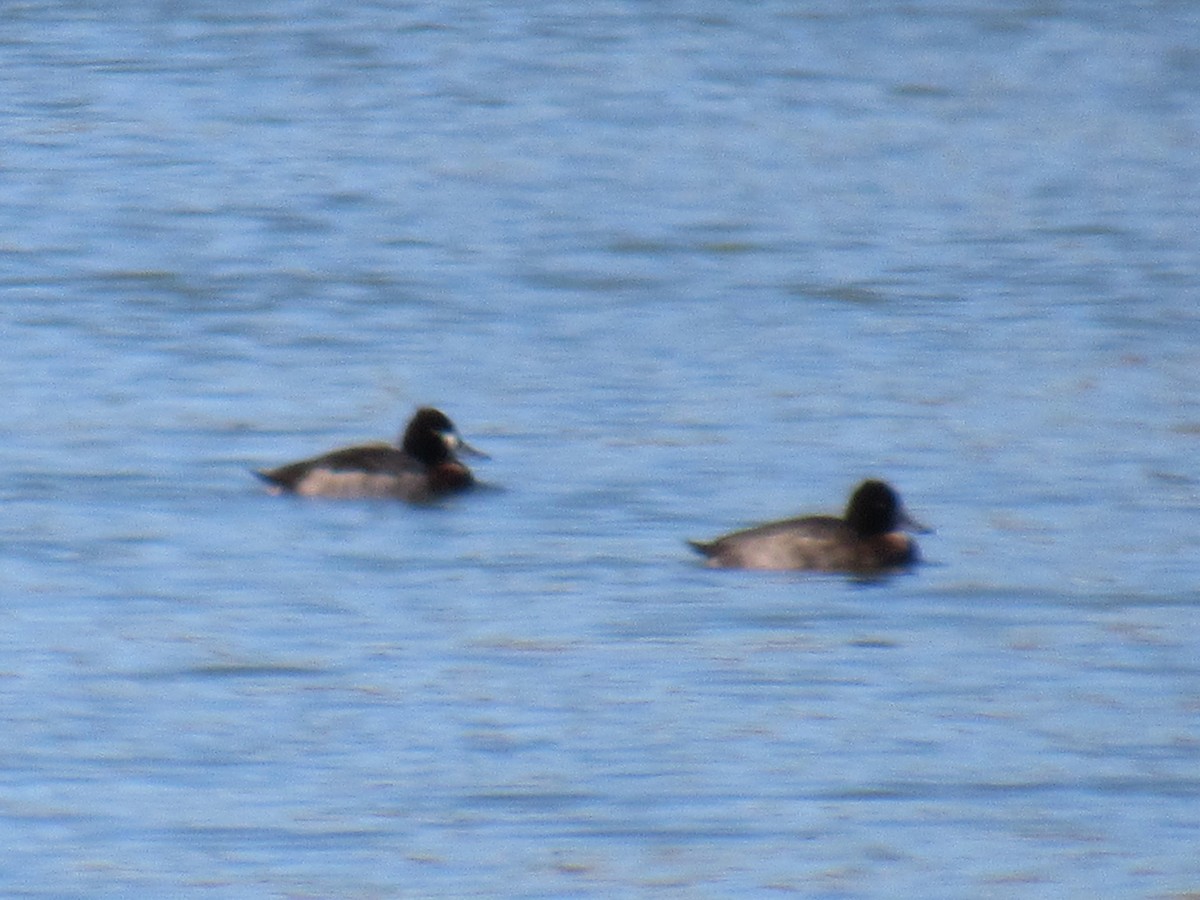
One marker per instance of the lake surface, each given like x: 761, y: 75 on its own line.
x: 678, y: 268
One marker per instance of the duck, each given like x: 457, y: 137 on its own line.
x: 423, y: 466
x: 869, y: 538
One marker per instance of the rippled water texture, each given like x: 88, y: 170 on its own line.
x: 678, y: 268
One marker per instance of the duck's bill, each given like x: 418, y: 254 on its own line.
x: 465, y: 448
x: 455, y: 444
x: 908, y: 523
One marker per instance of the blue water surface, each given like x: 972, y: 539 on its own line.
x: 678, y: 268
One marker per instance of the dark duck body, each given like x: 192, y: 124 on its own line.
x: 423, y: 467
x: 869, y: 538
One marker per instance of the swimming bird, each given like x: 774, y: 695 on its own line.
x: 869, y: 538
x: 423, y: 467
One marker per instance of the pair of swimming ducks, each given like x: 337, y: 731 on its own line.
x: 869, y: 538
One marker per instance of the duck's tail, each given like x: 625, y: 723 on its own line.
x: 275, y: 484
